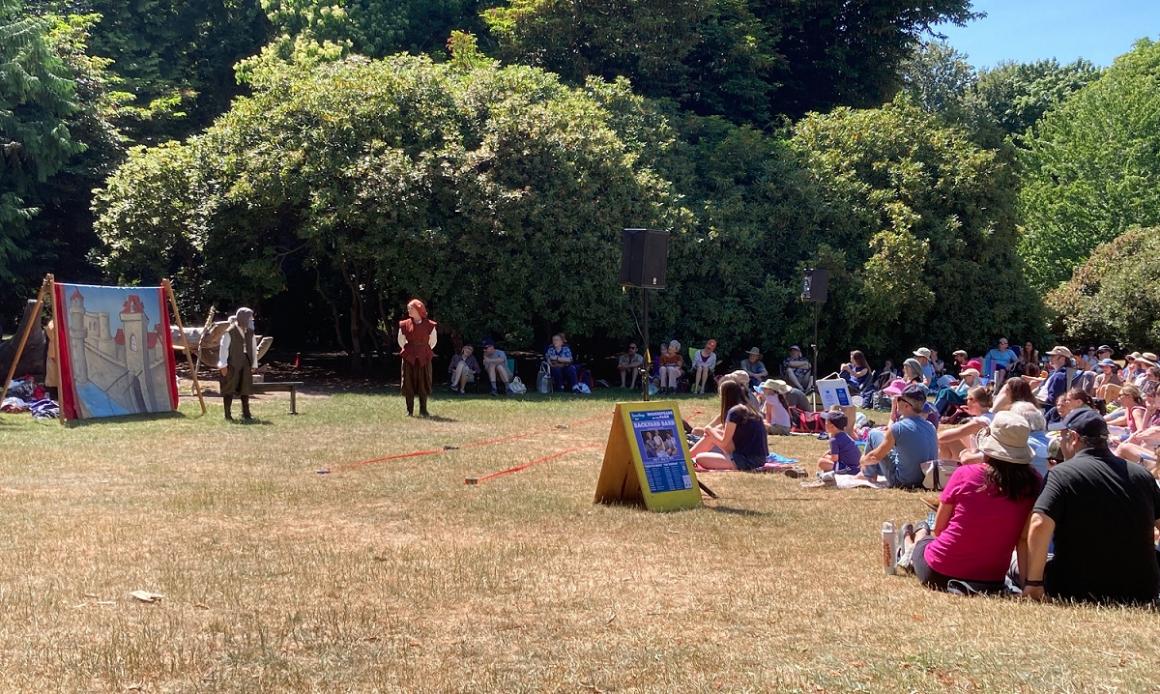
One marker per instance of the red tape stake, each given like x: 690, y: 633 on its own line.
x: 525, y: 466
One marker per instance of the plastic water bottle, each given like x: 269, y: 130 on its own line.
x: 889, y: 547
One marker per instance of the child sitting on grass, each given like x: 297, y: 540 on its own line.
x: 775, y: 409
x: 844, y: 457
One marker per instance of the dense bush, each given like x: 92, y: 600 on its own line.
x: 1112, y: 296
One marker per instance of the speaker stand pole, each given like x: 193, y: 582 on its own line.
x: 647, y: 367
x: 814, y: 395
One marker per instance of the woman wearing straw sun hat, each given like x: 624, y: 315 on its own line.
x: 982, y: 512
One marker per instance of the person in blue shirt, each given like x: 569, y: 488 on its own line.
x: 1000, y: 359
x: 899, y: 450
x: 923, y: 355
x: 1057, y: 383
x: 559, y: 358
x: 844, y: 457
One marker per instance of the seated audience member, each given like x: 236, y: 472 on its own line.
x: 1128, y: 373
x: 560, y: 362
x: 856, y: 372
x: 844, y: 457
x: 982, y: 512
x: 1028, y: 364
x: 953, y: 396
x: 1037, y: 440
x: 898, y: 385
x: 1101, y: 512
x: 936, y: 362
x: 672, y: 366
x: 463, y: 369
x: 1015, y: 389
x: 754, y: 367
x: 629, y: 364
x: 1104, y: 352
x: 1129, y: 418
x: 1087, y: 360
x: 888, y: 368
x: 740, y: 442
x: 1000, y: 359
x: 1144, y: 363
x: 775, y: 409
x: 1109, y: 375
x: 926, y: 369
x: 955, y: 439
x: 899, y: 450
x: 1141, y: 445
x: 704, y: 362
x: 958, y: 363
x: 796, y: 370
x: 1057, y: 383
x: 496, y: 365
x: 912, y: 372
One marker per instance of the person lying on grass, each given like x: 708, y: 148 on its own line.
x: 844, y: 457
x: 955, y: 439
x: 740, y: 444
x: 982, y: 514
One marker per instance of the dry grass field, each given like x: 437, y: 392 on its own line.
x: 396, y: 576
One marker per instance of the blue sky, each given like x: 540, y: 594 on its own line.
x: 1027, y: 30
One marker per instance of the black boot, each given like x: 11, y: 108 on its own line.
x: 423, y: 406
x: 246, y: 409
x: 228, y: 401
x: 410, y: 405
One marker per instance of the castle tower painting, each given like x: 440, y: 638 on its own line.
x: 115, y: 349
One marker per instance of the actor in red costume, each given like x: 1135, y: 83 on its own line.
x: 417, y: 340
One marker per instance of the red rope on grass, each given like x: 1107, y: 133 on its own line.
x: 525, y: 466
x: 472, y: 444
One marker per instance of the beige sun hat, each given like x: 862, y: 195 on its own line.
x: 1006, y: 439
x: 922, y: 352
x: 775, y: 385
x: 1060, y: 351
x: 754, y: 350
x: 969, y: 372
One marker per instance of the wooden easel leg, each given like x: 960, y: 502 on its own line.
x: 45, y: 288
x: 185, y: 342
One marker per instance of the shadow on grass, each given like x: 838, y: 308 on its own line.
x: 146, y: 417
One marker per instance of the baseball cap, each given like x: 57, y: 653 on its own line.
x: 915, y: 395
x: 1086, y: 422
x: 969, y: 372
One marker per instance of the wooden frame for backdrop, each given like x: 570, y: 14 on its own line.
x: 45, y: 295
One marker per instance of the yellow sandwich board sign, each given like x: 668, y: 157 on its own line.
x: 646, y: 460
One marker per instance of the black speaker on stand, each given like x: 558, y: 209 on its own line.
x: 644, y: 258
x: 815, y: 289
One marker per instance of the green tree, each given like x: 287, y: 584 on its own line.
x: 747, y: 60
x: 1111, y: 296
x: 1008, y: 100
x: 926, y: 222
x: 495, y: 193
x: 36, y: 100
x: 1093, y: 167
x: 176, y: 57
x: 937, y: 78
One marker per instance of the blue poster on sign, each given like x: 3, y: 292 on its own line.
x: 662, y: 450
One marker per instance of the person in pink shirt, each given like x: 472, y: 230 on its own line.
x: 983, y: 512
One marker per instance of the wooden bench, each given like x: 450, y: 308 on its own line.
x: 284, y: 387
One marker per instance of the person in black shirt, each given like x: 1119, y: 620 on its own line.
x: 1103, y: 512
